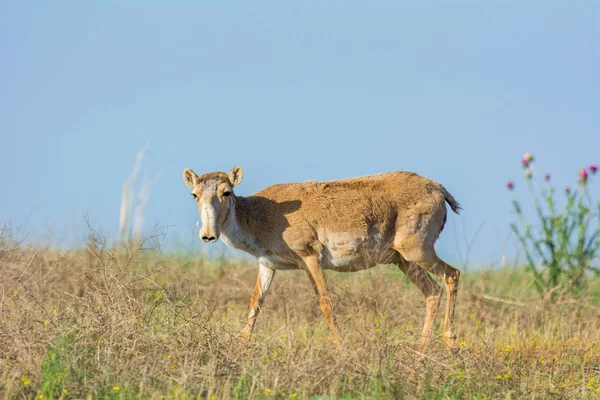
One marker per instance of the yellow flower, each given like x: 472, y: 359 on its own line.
x: 41, y: 396
x: 25, y: 381
x: 116, y: 388
x: 46, y: 322
x: 292, y: 395
x: 65, y: 391
x: 506, y: 376
x: 498, y: 377
x: 267, y: 390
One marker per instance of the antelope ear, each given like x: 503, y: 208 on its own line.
x: 189, y: 177
x: 235, y: 176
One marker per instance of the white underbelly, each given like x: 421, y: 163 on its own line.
x: 337, y: 261
x: 344, y: 252
x: 355, y: 262
x: 279, y: 262
x: 340, y: 251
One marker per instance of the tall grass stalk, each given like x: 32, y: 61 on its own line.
x: 131, y: 218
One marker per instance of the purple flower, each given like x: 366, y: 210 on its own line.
x: 526, y: 160
x: 593, y: 168
x: 510, y: 185
x: 583, y: 175
x: 547, y: 177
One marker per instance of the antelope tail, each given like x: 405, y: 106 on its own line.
x: 451, y: 200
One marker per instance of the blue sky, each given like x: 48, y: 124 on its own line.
x: 291, y: 91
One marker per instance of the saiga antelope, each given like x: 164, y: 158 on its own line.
x: 343, y: 225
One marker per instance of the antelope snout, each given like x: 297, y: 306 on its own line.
x: 208, y: 237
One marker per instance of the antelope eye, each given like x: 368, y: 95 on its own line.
x: 194, y: 196
x: 226, y: 193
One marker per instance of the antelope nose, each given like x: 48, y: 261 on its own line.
x: 209, y: 239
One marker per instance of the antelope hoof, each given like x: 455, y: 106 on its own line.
x: 244, y: 340
x: 243, y: 345
x: 453, y: 347
x: 450, y: 340
x: 333, y: 339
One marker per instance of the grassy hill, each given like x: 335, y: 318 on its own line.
x: 121, y: 323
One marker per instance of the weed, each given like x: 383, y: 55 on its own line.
x: 564, y: 247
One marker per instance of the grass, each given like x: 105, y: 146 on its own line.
x: 120, y: 324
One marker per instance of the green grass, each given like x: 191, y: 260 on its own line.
x: 57, y: 367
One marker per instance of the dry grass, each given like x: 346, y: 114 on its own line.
x: 120, y: 323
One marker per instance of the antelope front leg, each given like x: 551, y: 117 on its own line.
x: 317, y: 278
x: 265, y: 276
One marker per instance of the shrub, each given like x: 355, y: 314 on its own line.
x: 563, y: 247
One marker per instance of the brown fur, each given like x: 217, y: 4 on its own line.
x: 344, y: 225
x: 386, y: 203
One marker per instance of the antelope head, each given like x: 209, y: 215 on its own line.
x: 213, y: 192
